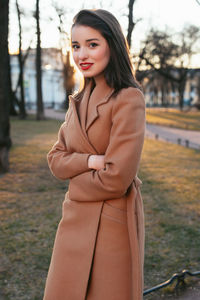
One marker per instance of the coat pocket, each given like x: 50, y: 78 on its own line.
x: 115, y: 214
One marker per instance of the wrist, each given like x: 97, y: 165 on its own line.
x: 91, y: 162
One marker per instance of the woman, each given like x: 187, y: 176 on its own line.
x: 98, y: 250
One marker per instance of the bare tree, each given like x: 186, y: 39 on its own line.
x: 197, y: 104
x: 22, y: 109
x: 68, y: 69
x: 131, y: 23
x: 169, y: 58
x: 12, y: 99
x: 40, y: 108
x: 5, y: 140
x: 24, y: 58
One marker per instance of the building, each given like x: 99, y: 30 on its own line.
x: 52, y: 78
x: 160, y: 91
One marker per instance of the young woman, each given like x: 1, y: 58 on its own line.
x: 99, y: 245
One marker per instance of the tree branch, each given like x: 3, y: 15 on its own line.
x: 131, y: 24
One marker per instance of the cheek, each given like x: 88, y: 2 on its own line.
x: 103, y: 58
x: 102, y: 55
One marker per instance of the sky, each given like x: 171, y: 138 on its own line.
x: 169, y: 15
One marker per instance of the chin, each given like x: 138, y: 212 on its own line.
x: 88, y: 76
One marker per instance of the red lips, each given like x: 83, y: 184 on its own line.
x: 85, y: 65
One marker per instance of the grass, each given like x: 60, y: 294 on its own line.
x: 30, y: 210
x: 189, y: 120
x: 171, y: 194
x: 31, y: 200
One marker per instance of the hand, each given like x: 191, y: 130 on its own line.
x: 96, y: 162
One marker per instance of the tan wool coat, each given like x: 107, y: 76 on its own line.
x: 99, y: 245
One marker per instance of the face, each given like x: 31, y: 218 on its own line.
x: 90, y: 49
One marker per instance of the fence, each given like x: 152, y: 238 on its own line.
x: 179, y: 277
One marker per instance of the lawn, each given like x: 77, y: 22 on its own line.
x: 30, y: 208
x: 171, y: 194
x: 189, y: 120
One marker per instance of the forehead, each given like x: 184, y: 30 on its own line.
x: 83, y: 33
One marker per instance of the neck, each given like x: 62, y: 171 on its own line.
x: 99, y: 79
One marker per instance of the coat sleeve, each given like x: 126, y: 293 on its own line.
x: 123, y: 153
x: 62, y: 163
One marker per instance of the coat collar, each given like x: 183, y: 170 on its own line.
x: 92, y: 99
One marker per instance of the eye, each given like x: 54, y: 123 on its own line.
x: 75, y: 46
x: 93, y: 45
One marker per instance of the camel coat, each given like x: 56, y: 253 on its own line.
x: 99, y: 245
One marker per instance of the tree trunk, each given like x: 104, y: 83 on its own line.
x: 198, y: 91
x: 40, y: 108
x: 181, y: 86
x: 131, y: 24
x: 5, y: 140
x: 22, y: 109
x: 163, y: 94
x: 13, y: 111
x: 181, y: 89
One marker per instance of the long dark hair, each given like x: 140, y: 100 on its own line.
x: 119, y: 72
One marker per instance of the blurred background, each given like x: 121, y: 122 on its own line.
x: 37, y: 75
x: 164, y: 39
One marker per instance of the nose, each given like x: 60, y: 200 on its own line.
x: 83, y: 53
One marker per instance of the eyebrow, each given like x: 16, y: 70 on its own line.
x: 89, y: 40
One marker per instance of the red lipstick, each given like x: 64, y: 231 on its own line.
x: 86, y: 65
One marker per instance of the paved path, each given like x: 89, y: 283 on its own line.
x: 54, y: 114
x: 174, y: 135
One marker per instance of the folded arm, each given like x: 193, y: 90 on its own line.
x: 64, y: 164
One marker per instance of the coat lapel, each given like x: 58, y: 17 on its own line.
x: 83, y: 106
x: 80, y: 133
x: 99, y: 96
x: 86, y: 110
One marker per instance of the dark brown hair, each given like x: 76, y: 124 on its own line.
x: 119, y: 72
